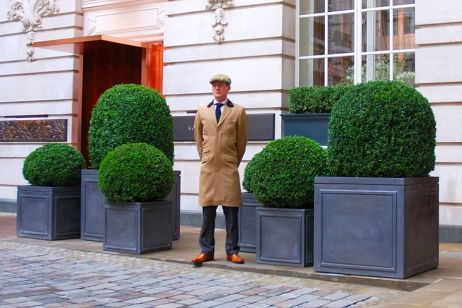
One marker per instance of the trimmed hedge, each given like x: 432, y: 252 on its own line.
x: 282, y: 174
x: 382, y: 129
x: 129, y: 113
x: 315, y: 99
x: 54, y: 164
x: 135, y: 172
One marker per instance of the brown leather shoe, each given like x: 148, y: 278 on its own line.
x: 203, y: 257
x: 235, y: 258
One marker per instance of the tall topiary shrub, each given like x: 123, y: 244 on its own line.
x: 382, y: 129
x: 54, y: 164
x: 135, y: 172
x: 282, y: 174
x: 129, y: 113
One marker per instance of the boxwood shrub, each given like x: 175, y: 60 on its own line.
x: 54, y: 164
x: 382, y: 129
x: 129, y: 113
x: 135, y: 172
x: 282, y: 174
x: 248, y: 171
x: 315, y: 99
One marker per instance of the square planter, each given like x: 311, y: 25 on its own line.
x: 48, y: 213
x: 383, y: 227
x: 248, y: 223
x: 311, y: 125
x: 93, y: 206
x: 174, y: 198
x: 285, y: 236
x: 137, y: 227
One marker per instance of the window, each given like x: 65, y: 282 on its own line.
x: 349, y: 41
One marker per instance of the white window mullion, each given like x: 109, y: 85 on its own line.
x: 392, y: 37
x: 358, y: 42
x: 297, y: 43
x: 326, y: 43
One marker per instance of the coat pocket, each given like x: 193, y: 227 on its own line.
x: 205, y: 155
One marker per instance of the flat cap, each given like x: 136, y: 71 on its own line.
x: 220, y: 78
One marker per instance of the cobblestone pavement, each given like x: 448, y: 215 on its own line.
x: 41, y: 276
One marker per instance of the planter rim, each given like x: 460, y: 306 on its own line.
x: 373, y: 180
x: 263, y: 208
x: 289, y: 116
x: 132, y: 204
x: 48, y: 188
x: 89, y: 171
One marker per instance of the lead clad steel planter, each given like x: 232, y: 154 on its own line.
x: 248, y: 223
x: 137, y: 227
x: 48, y: 213
x: 285, y: 236
x: 384, y: 227
x: 174, y: 198
x: 92, y: 207
x: 311, y: 125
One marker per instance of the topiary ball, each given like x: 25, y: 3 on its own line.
x: 248, y: 172
x: 382, y: 129
x: 129, y: 113
x: 282, y: 174
x: 54, y: 164
x: 135, y: 172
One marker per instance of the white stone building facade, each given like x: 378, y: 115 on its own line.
x: 266, y: 46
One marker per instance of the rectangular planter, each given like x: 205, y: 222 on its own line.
x: 248, y: 223
x: 174, y: 198
x: 93, y: 206
x: 311, y: 125
x: 285, y: 236
x: 137, y: 227
x: 48, y: 213
x: 383, y: 227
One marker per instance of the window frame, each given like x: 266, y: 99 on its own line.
x: 357, y: 53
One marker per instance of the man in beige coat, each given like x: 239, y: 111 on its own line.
x: 220, y: 131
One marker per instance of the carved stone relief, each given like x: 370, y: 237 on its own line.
x: 219, y: 22
x: 30, y: 14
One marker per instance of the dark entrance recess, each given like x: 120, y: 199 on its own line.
x: 105, y: 62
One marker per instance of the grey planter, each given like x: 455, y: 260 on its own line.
x: 383, y: 227
x: 48, y: 213
x: 285, y: 236
x: 248, y: 223
x: 137, y: 227
x: 311, y: 125
x: 174, y: 198
x: 93, y: 206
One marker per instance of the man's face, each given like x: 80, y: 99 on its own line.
x: 220, y: 90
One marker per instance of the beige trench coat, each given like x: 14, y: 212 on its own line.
x: 220, y: 147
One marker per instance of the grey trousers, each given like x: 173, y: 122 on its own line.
x: 207, y: 235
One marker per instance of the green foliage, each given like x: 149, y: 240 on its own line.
x: 282, y: 174
x: 129, y: 113
x: 248, y: 171
x: 382, y: 129
x: 315, y: 99
x: 135, y: 172
x: 54, y: 164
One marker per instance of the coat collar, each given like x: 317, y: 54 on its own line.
x: 228, y: 104
x: 225, y: 113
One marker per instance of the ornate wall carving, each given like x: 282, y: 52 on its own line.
x: 219, y: 22
x: 30, y: 14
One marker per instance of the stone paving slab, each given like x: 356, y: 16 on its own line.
x: 33, y: 275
